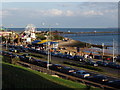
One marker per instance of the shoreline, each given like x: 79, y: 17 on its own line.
x: 72, y: 44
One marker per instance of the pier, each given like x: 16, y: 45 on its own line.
x: 77, y: 34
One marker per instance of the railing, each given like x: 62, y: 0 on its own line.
x: 65, y: 76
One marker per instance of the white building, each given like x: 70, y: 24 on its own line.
x: 29, y: 34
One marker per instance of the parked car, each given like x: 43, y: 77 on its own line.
x: 11, y: 49
x: 36, y: 62
x: 98, y: 78
x: 61, y: 55
x: 71, y: 57
x: 114, y: 83
x: 97, y: 57
x: 101, y: 63
x: 81, y: 74
x: 118, y: 58
x: 108, y: 58
x: 92, y: 63
x: 54, y: 54
x: 112, y: 64
x: 67, y: 70
x: 78, y: 58
x: 56, y: 67
x: 45, y: 63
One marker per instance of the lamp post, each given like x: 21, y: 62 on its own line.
x: 113, y: 51
x: 48, y: 47
x: 103, y: 50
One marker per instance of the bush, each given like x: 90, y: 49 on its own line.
x: 41, y: 37
x: 58, y: 37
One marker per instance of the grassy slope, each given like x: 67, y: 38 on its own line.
x: 20, y: 77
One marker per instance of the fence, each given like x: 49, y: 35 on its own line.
x: 65, y: 76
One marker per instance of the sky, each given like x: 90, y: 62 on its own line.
x: 60, y: 14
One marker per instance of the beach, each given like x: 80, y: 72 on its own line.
x: 71, y: 47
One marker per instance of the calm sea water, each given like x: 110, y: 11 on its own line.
x: 106, y: 39
x: 98, y: 40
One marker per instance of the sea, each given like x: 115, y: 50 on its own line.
x: 107, y: 39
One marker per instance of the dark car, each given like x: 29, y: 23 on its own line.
x: 11, y: 49
x: 112, y: 64
x: 78, y: 58
x: 24, y: 49
x: 56, y: 67
x: 101, y: 63
x: 97, y: 57
x: 117, y: 66
x: 98, y: 78
x: 10, y: 54
x: 36, y: 62
x: 61, y: 55
x: 64, y: 55
x: 45, y: 63
x: 67, y: 70
x: 69, y: 56
x: 114, y: 83
x: 4, y: 53
x: 118, y: 58
x: 92, y: 63
x: 54, y: 54
x: 25, y: 58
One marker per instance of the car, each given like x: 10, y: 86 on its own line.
x: 71, y: 57
x: 97, y: 57
x: 81, y: 74
x: 98, y: 78
x: 36, y: 62
x: 68, y: 56
x: 61, y: 55
x: 64, y: 55
x: 45, y: 52
x: 56, y: 67
x: 45, y: 63
x: 92, y: 63
x: 25, y: 58
x: 112, y: 64
x: 24, y: 49
x: 11, y: 49
x: 1, y: 52
x: 4, y: 53
x: 118, y: 58
x: 101, y: 63
x: 67, y: 70
x: 114, y: 83
x: 78, y: 58
x: 117, y: 66
x: 108, y: 58
x: 54, y: 54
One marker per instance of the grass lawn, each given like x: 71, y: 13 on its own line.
x: 19, y: 77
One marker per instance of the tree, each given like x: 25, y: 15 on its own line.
x: 41, y: 37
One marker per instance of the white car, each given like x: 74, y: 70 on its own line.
x: 81, y: 74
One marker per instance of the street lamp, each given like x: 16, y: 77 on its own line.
x: 113, y: 51
x: 48, y: 47
x: 103, y: 50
